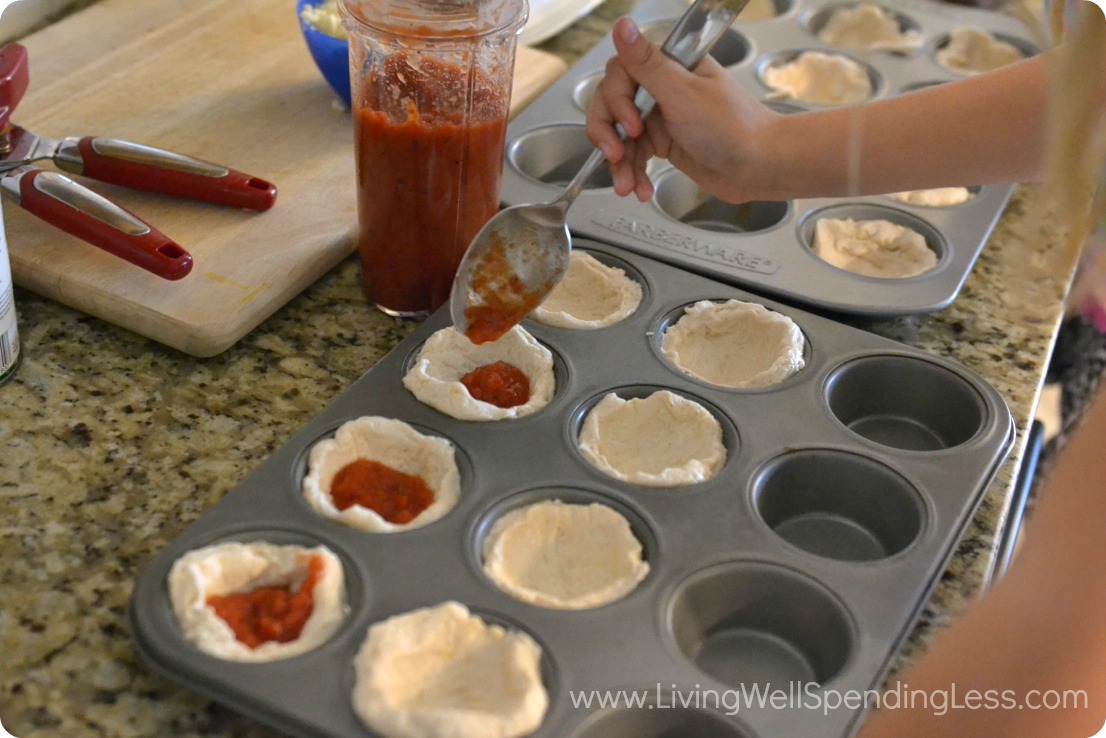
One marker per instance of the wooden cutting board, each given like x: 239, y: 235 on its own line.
x: 228, y: 81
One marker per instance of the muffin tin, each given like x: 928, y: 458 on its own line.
x: 807, y: 558
x: 763, y: 246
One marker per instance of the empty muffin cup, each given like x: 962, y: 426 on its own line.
x: 783, y: 108
x: 905, y: 403
x: 915, y: 86
x: 584, y: 91
x: 753, y: 624
x: 661, y: 718
x: 838, y: 505
x: 680, y: 198
x: 554, y: 154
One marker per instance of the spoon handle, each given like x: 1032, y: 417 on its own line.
x: 699, y: 28
x: 576, y: 186
x: 692, y: 38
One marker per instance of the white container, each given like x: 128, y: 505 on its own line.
x: 9, y: 330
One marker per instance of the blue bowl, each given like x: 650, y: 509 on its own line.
x: 331, y: 54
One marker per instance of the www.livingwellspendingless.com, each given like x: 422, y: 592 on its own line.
x: 811, y: 696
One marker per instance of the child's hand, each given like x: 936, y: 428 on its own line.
x: 705, y: 123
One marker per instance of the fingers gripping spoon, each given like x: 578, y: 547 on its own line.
x: 520, y: 255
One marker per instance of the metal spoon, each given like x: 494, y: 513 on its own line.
x: 520, y: 255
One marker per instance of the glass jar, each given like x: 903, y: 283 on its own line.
x: 431, y: 92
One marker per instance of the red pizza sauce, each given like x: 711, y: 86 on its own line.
x: 428, y: 178
x: 393, y: 495
x: 500, y: 384
x: 269, y: 613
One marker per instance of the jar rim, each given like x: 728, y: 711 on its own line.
x: 435, y: 19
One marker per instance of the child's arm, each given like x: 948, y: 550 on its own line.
x: 983, y: 129
x: 1042, y: 627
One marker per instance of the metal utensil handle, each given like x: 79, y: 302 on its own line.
x: 576, y: 186
x: 692, y: 38
x: 699, y: 28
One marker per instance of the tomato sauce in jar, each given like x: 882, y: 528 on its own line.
x: 269, y: 613
x: 428, y: 176
x: 500, y: 384
x: 395, y: 496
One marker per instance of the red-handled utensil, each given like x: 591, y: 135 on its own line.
x: 91, y: 217
x: 15, y: 77
x: 82, y: 213
x: 155, y: 170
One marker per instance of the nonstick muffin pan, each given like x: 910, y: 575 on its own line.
x: 807, y: 558
x: 763, y: 246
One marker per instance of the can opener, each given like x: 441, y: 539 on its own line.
x: 79, y: 211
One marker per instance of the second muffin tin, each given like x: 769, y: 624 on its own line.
x: 763, y: 246
x: 801, y: 567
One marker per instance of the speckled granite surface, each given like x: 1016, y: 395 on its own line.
x: 110, y: 445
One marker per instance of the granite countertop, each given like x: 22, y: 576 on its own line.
x: 112, y: 444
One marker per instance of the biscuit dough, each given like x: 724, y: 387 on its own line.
x: 441, y: 672
x: 757, y: 10
x: 819, y: 78
x: 973, y: 51
x: 663, y: 440
x: 388, y: 441
x: 590, y: 295
x: 867, y: 27
x: 435, y: 377
x: 734, y: 344
x: 936, y: 197
x: 873, y: 248
x: 564, y: 556
x: 227, y: 568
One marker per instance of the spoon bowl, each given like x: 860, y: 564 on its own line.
x: 514, y: 262
x: 522, y: 252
